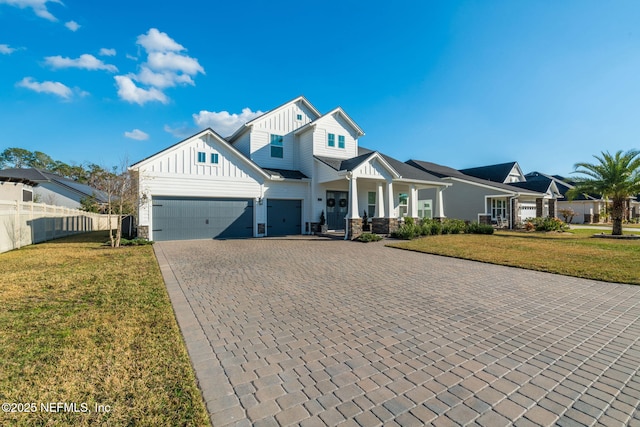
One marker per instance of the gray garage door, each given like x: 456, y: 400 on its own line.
x: 284, y: 217
x: 181, y: 218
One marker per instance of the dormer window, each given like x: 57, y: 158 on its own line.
x: 331, y: 140
x: 277, y: 146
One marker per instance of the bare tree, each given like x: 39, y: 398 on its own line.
x: 119, y: 186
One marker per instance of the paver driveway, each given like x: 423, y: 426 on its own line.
x: 320, y: 332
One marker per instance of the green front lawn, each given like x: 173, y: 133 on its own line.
x: 85, y: 324
x: 572, y: 254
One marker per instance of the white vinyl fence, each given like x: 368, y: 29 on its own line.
x: 25, y: 223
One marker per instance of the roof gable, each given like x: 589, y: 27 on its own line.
x: 495, y: 173
x: 273, y: 111
x: 210, y: 133
x: 336, y: 111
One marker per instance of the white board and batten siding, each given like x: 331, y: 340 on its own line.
x: 283, y: 121
x: 177, y: 172
x: 372, y: 169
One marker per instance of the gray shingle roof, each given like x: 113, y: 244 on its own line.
x: 495, y: 173
x: 38, y: 175
x: 447, y: 172
x: 286, y: 173
x: 405, y: 170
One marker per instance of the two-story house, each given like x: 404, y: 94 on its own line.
x: 279, y: 174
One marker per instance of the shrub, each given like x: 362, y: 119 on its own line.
x: 407, y: 231
x: 476, y: 228
x: 134, y: 242
x: 369, y: 237
x: 453, y: 226
x: 549, y: 224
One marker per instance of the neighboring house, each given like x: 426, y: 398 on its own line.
x: 16, y: 189
x: 500, y: 198
x: 54, y: 189
x: 276, y: 175
x: 588, y: 209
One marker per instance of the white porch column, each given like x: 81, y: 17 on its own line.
x: 390, y: 202
x: 380, y: 201
x: 440, y: 204
x: 353, y: 198
x: 413, y: 201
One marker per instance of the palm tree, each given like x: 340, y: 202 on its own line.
x: 615, y: 177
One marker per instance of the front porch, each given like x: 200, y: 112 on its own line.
x: 384, y: 204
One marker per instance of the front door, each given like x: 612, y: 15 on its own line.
x: 337, y: 207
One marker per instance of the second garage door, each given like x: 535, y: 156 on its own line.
x: 180, y: 218
x: 284, y: 217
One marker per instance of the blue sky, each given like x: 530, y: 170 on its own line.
x: 461, y: 83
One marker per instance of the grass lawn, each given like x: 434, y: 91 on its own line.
x: 572, y: 254
x: 83, y: 323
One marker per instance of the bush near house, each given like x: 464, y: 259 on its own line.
x: 546, y: 224
x: 477, y: 228
x: 369, y: 237
x: 429, y: 227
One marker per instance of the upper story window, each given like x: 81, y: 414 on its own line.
x: 331, y: 140
x: 340, y: 141
x: 214, y: 158
x: 202, y: 157
x: 299, y: 117
x: 277, y: 147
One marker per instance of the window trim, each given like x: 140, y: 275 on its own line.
x: 331, y: 140
x: 277, y: 142
x: 421, y: 208
x: 371, y: 212
x: 401, y: 205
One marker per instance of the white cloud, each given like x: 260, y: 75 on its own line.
x: 223, y: 122
x: 137, y: 134
x: 156, y: 41
x: 163, y: 79
x: 72, y: 25
x: 55, y: 88
x: 174, y: 62
x: 85, y: 61
x: 180, y: 132
x: 39, y: 7
x: 6, y: 50
x: 164, y: 68
x: 107, y: 52
x: 128, y: 91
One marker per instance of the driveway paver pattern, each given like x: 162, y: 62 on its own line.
x: 324, y: 332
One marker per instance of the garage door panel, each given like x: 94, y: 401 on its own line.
x: 284, y: 217
x: 177, y: 218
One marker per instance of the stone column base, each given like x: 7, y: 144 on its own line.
x: 355, y: 228
x: 384, y: 225
x: 143, y: 232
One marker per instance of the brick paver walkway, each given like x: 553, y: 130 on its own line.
x: 319, y: 332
